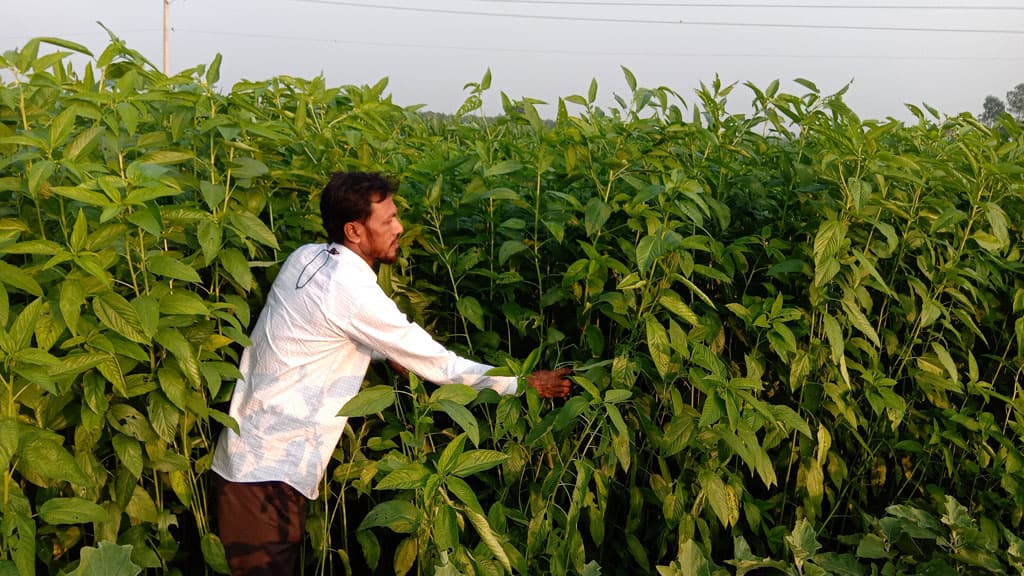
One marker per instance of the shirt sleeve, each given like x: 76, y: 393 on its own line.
x: 378, y: 324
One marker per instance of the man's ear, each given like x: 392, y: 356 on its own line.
x: 352, y: 232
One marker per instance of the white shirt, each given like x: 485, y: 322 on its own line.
x: 324, y: 320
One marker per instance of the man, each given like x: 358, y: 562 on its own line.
x: 324, y: 320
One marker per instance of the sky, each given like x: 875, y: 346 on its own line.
x: 948, y: 54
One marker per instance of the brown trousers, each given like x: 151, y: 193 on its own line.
x: 261, y: 525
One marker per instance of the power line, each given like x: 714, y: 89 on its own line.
x: 661, y: 21
x: 593, y: 52
x: 78, y: 34
x: 747, y: 5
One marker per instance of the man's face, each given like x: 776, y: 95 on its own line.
x: 382, y: 229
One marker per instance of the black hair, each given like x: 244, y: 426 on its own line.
x: 348, y: 197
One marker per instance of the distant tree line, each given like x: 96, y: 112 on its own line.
x: 994, y: 107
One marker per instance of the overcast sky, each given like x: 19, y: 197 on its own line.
x: 949, y: 54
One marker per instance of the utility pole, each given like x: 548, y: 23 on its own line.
x: 167, y: 38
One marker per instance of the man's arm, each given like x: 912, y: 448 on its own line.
x: 547, y: 383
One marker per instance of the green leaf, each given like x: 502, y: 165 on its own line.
x: 452, y: 451
x: 693, y: 560
x: 630, y: 79
x: 213, y: 552
x: 248, y: 225
x: 446, y: 528
x: 17, y: 278
x: 505, y: 167
x: 79, y: 232
x: 595, y: 215
x: 786, y: 415
x: 463, y: 417
x: 182, y: 350
x: 129, y: 452
x: 120, y: 316
x: 210, y: 235
x: 237, y: 265
x: 470, y: 309
x: 406, y: 477
x: 72, y: 296
x: 248, y: 168
x: 71, y: 511
x: 872, y: 546
x: 183, y: 302
x: 658, y: 344
x: 398, y: 515
x: 213, y: 194
x: 165, y: 157
x: 44, y: 459
x: 477, y: 461
x: 170, y: 267
x: 860, y: 321
x: 483, y: 528
x: 457, y: 393
x: 108, y: 559
x: 148, y: 310
x: 82, y: 141
x: 8, y: 440
x: 508, y: 249
x: 405, y: 555
x: 82, y: 195
x: 371, y: 400
x: 674, y: 304
x: 803, y: 541
x: 717, y: 493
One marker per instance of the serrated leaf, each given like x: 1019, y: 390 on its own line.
x: 369, y: 401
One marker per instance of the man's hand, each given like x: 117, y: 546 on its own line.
x: 550, y: 383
